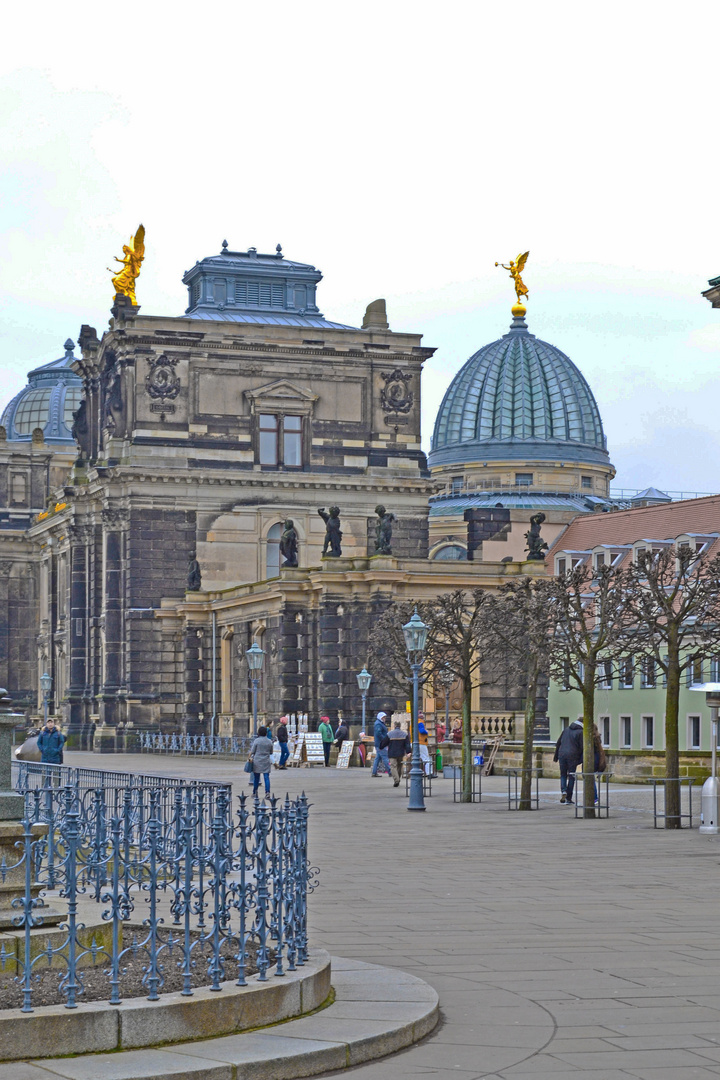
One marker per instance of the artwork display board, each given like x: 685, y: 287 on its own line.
x: 314, y: 754
x: 297, y: 750
x: 345, y: 754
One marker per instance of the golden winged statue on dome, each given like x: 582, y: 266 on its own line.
x: 516, y: 267
x: 133, y: 255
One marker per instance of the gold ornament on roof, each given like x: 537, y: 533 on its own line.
x: 516, y: 267
x: 133, y: 255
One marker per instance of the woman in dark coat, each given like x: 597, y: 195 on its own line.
x: 260, y: 755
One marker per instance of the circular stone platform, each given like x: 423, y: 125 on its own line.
x: 375, y: 1011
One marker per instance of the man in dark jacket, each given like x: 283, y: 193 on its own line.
x: 569, y: 753
x: 50, y: 744
x: 282, y: 737
x: 341, y: 734
x: 398, y: 748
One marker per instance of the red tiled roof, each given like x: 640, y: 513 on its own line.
x: 643, y: 523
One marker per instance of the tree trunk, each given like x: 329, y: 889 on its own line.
x: 528, y: 739
x: 466, y: 795
x: 672, y: 745
x: 588, y: 694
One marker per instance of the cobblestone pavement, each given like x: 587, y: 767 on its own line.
x: 559, y: 947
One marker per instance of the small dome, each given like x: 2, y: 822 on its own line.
x: 49, y: 400
x: 518, y: 398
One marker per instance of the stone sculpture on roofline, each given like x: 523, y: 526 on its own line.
x: 333, y: 535
x: 383, y: 531
x: 536, y: 546
x: 289, y: 545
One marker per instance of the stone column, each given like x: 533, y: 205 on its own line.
x: 114, y: 523
x: 77, y: 633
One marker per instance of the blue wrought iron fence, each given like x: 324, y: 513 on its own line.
x: 182, y: 877
x: 165, y: 743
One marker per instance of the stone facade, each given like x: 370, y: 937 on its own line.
x: 198, y: 438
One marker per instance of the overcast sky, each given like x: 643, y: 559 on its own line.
x: 402, y: 148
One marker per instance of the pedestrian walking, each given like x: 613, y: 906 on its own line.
x: 600, y: 760
x: 380, y: 734
x: 282, y: 737
x: 341, y: 734
x: 424, y: 748
x: 260, y: 755
x: 569, y: 754
x: 328, y: 737
x: 398, y: 749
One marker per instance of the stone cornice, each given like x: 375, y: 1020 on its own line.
x: 168, y: 342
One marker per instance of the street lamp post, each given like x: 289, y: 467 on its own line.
x: 255, y: 656
x: 415, y: 632
x: 46, y: 687
x: 364, y: 678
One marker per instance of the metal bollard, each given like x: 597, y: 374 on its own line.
x: 710, y: 806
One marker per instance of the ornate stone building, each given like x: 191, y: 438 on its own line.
x: 147, y: 559
x: 199, y: 437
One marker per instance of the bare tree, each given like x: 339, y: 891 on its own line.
x: 676, y: 614
x: 455, y: 644
x: 520, y: 622
x: 592, y: 621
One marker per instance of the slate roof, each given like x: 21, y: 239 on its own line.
x: 662, y: 522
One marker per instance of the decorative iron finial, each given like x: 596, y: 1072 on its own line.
x: 279, y: 250
x: 516, y: 267
x: 69, y: 346
x: 224, y: 245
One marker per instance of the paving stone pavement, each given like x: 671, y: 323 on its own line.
x: 558, y: 947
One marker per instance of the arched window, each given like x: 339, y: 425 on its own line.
x: 273, y: 550
x: 451, y: 551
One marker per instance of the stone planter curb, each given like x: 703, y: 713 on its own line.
x: 54, y: 1030
x: 377, y: 1011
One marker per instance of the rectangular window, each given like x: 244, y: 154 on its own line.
x: 715, y: 669
x: 268, y: 442
x: 606, y: 675
x: 648, y: 730
x: 292, y: 442
x: 693, y: 732
x: 565, y: 722
x: 562, y: 566
x: 626, y: 731
x: 523, y: 479
x: 280, y: 440
x: 647, y: 672
x: 456, y: 485
x: 627, y: 675
x: 605, y: 730
x: 599, y: 560
x: 586, y: 482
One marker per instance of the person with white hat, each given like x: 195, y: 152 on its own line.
x: 380, y: 733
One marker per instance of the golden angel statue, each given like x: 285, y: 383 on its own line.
x: 516, y: 268
x: 133, y: 255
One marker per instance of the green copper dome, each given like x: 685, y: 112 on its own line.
x: 518, y: 398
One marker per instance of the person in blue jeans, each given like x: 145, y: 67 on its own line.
x: 282, y: 737
x: 380, y: 734
x: 261, y: 757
